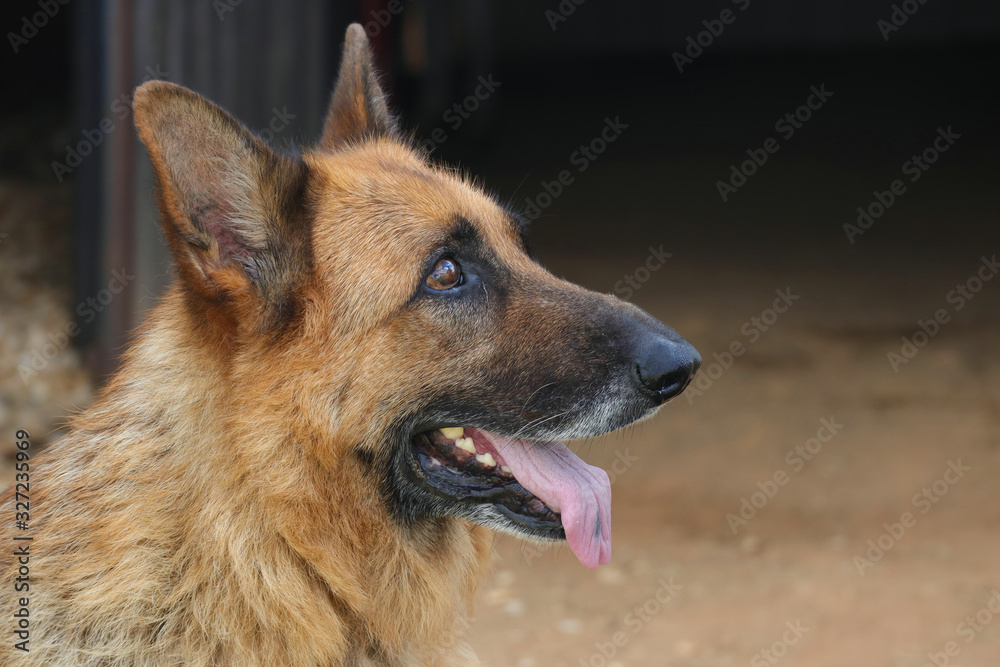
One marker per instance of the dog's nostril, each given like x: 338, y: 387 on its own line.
x: 669, y: 385
x: 666, y: 386
x: 665, y: 367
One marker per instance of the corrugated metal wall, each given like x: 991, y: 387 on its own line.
x: 267, y: 63
x: 271, y: 64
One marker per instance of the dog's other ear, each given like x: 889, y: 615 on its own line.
x: 232, y: 209
x: 358, y: 106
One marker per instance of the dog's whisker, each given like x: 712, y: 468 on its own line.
x: 532, y: 395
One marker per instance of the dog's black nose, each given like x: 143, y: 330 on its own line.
x: 664, y: 367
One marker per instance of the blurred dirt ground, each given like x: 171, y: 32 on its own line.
x: 790, y: 582
x: 794, y: 561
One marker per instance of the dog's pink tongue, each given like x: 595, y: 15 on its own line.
x: 579, y: 492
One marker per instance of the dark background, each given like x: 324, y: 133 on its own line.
x: 655, y: 185
x: 560, y: 78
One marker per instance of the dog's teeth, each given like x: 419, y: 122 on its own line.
x: 486, y: 460
x: 453, y: 432
x: 505, y: 470
x: 466, y: 444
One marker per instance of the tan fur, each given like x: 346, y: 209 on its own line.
x: 227, y: 499
x: 207, y: 509
x: 202, y: 513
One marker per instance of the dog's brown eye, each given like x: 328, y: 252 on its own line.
x: 446, y: 274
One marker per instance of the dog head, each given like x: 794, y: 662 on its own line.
x: 389, y: 308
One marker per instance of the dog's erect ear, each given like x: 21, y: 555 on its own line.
x: 358, y: 106
x: 232, y: 209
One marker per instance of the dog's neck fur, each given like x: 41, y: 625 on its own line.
x: 203, y: 586
x: 212, y: 508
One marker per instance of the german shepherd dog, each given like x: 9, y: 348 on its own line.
x: 359, y: 373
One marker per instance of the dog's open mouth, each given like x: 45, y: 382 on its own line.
x: 543, y: 488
